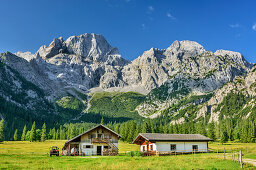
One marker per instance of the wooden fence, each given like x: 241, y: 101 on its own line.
x: 236, y: 154
x: 233, y: 154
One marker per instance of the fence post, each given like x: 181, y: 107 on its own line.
x: 241, y: 162
x: 232, y: 155
x: 217, y: 151
x: 224, y: 153
x: 237, y: 155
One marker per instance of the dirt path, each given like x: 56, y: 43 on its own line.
x: 250, y: 161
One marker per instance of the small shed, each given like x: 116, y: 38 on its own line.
x: 100, y: 140
x: 156, y: 143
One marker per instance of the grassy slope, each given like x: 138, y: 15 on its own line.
x: 116, y: 104
x: 26, y: 155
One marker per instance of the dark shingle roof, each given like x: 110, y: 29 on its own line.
x: 173, y: 137
x: 100, y: 125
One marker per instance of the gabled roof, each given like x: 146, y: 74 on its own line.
x: 100, y: 125
x: 171, y: 137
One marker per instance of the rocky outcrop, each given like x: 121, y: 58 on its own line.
x: 245, y: 85
x: 88, y: 63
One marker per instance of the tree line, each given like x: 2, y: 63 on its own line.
x: 224, y: 131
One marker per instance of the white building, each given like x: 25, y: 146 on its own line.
x: 99, y: 140
x: 168, y: 143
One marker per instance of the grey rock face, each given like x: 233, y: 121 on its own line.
x: 53, y: 49
x: 87, y: 61
x: 156, y: 66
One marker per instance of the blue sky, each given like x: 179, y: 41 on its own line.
x: 131, y: 25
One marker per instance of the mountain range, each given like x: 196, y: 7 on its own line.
x: 83, y: 78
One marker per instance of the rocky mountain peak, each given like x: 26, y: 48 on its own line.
x: 235, y: 56
x: 92, y: 45
x: 26, y: 55
x: 53, y: 49
x: 187, y: 47
x: 89, y: 46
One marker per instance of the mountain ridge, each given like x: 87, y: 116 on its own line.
x: 175, y: 84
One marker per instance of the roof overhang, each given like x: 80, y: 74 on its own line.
x: 140, y: 138
x: 100, y: 125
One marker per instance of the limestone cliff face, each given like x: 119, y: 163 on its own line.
x: 244, y: 85
x: 88, y: 63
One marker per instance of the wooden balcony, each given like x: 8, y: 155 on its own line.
x: 100, y: 140
x: 103, y: 140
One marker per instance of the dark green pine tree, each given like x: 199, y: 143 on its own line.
x: 201, y: 128
x: 244, y: 131
x: 24, y: 132
x: 33, y: 133
x: 237, y: 131
x: 176, y: 129
x: 132, y: 129
x: 2, y: 130
x: 251, y: 131
x: 211, y: 131
x: 138, y: 129
x: 62, y: 133
x: 38, y: 134
x: 224, y: 135
x: 152, y: 127
x: 122, y: 131
x: 230, y: 130
x: 54, y: 134
x: 43, y: 135
x: 146, y: 128
x: 15, y: 136
x: 58, y: 134
x: 116, y: 129
x: 102, y: 121
x: 28, y: 136
x: 161, y: 128
x: 170, y: 130
x: 165, y: 129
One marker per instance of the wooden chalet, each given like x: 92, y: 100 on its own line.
x: 161, y: 144
x: 99, y: 140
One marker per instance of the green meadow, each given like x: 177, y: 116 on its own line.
x: 34, y: 155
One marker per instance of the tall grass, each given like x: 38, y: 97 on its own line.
x: 27, y: 155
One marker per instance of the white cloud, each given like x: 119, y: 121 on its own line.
x: 234, y: 25
x: 169, y: 15
x: 254, y: 27
x: 151, y: 8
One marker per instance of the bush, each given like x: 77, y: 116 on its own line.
x: 131, y: 154
x: 134, y: 153
x: 137, y: 153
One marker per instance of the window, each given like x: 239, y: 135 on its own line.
x: 144, y: 148
x: 87, y: 146
x: 173, y: 147
x: 93, y: 136
x: 195, y: 147
x: 99, y: 135
x: 151, y: 147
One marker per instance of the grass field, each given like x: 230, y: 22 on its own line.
x: 27, y: 155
